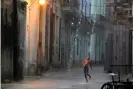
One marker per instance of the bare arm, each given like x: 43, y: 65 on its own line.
x: 83, y: 61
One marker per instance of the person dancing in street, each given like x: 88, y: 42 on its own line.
x: 85, y: 63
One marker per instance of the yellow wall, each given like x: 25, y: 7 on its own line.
x: 33, y: 30
x: 43, y: 29
x: 34, y: 23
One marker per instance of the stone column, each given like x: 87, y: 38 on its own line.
x: 92, y: 46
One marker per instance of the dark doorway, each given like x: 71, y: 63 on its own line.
x: 11, y: 66
x: 51, y: 51
x: 6, y: 41
x: 17, y: 64
x: 46, y: 34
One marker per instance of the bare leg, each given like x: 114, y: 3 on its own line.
x: 87, y: 72
x: 86, y: 78
x: 89, y: 75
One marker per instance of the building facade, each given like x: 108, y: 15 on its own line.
x: 33, y: 43
x: 98, y: 29
x: 74, y: 35
x: 120, y: 32
x: 43, y: 35
x: 68, y: 31
x: 13, y: 39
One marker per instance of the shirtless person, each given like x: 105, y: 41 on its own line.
x: 85, y: 63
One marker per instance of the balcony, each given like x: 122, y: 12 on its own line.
x: 110, y: 3
x: 71, y: 6
x: 67, y: 5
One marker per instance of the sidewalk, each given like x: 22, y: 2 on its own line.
x: 62, y: 79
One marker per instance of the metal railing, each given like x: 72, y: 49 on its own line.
x: 119, y: 67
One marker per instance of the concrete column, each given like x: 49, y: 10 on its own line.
x: 58, y: 27
x: 48, y: 34
x: 81, y: 47
x: 32, y: 37
x: 55, y: 24
x: 22, y: 39
x: 62, y: 42
x: 42, y: 35
x: 92, y: 46
x: 86, y: 46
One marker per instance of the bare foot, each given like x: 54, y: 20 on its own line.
x: 89, y: 76
x: 86, y: 81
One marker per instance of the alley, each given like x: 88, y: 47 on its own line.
x: 62, y: 79
x: 37, y: 35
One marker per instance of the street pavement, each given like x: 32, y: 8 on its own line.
x: 62, y: 79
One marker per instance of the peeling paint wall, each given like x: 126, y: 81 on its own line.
x: 32, y: 36
x: 22, y: 36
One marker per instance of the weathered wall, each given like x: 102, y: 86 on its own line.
x: 57, y: 12
x: 120, y: 46
x: 74, y: 47
x: 22, y: 35
x: 108, y: 45
x: 6, y: 41
x: 62, y: 42
x: 108, y: 52
x: 32, y: 36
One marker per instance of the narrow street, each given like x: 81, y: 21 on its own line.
x: 39, y: 34
x: 63, y: 79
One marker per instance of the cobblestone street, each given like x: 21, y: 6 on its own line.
x: 62, y: 79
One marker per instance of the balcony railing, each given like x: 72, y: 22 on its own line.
x: 70, y: 5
